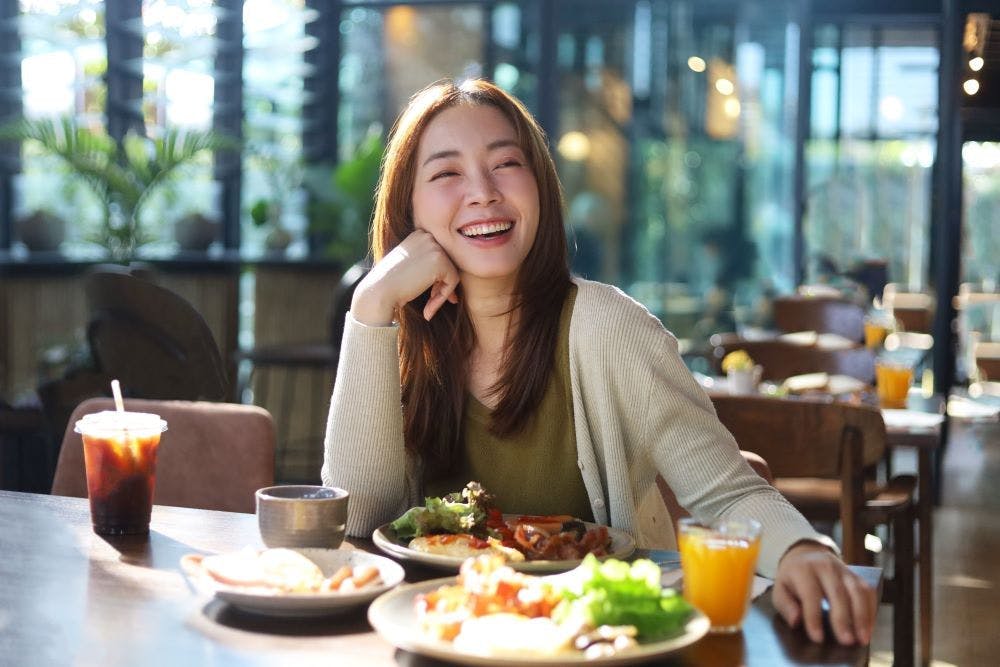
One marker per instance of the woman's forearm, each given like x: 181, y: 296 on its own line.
x: 364, y: 451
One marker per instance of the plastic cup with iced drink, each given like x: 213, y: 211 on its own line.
x: 119, y: 451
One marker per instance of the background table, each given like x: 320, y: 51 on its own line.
x: 68, y: 596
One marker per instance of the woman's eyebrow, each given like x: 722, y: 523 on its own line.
x: 492, y: 146
x: 439, y: 155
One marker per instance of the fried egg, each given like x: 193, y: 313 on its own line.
x: 462, y: 545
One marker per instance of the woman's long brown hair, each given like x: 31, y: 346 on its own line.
x: 434, y: 355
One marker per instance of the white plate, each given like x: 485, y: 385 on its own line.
x: 301, y: 604
x: 393, y: 617
x: 903, y: 420
x: 622, y: 546
x: 828, y: 383
x: 844, y: 384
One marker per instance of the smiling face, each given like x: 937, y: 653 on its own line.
x: 475, y: 192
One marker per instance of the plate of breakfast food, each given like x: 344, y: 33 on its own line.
x: 602, y: 612
x: 292, y: 582
x: 445, y: 531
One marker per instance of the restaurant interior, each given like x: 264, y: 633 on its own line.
x: 815, y: 185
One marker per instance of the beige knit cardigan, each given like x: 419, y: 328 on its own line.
x: 637, y: 411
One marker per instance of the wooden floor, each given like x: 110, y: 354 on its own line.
x: 966, y: 555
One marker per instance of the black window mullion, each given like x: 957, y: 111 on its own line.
x: 124, y: 38
x: 228, y: 115
x: 10, y: 108
x: 322, y: 91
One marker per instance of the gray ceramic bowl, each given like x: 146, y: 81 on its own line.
x: 299, y: 515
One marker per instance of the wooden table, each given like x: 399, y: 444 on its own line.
x: 68, y: 596
x: 927, y: 441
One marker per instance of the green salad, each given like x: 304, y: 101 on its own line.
x: 616, y: 593
x: 464, y: 511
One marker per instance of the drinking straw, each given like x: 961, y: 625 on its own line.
x: 116, y: 390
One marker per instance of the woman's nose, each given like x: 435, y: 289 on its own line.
x: 483, y: 189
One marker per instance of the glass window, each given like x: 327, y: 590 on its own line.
x: 981, y: 187
x: 178, y: 89
x: 275, y: 41
x: 63, y: 62
x: 869, y: 171
x: 675, y: 147
x: 391, y: 53
x: 164, y: 87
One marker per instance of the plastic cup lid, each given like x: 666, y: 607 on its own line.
x: 112, y: 421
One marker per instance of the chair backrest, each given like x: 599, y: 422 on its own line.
x: 800, y: 437
x: 813, y: 440
x: 820, y: 314
x: 342, y: 297
x: 212, y: 456
x: 152, y: 340
x: 782, y: 359
x: 913, y: 311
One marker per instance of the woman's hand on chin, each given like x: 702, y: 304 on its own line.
x: 808, y: 573
x: 407, y: 271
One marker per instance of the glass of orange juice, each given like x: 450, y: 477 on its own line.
x: 892, y: 383
x: 718, y: 561
x: 875, y: 332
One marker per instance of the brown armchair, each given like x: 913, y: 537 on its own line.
x: 212, y: 456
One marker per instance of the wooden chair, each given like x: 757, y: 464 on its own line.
x: 987, y: 356
x: 212, y: 456
x: 823, y: 456
x: 820, y: 314
x: 913, y: 311
x: 153, y: 340
x: 782, y: 359
x: 318, y: 356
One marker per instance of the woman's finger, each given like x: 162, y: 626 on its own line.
x: 841, y: 605
x: 441, y: 291
x: 864, y: 604
x: 810, y: 597
x: 786, y: 604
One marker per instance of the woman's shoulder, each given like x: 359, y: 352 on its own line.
x: 596, y: 299
x: 600, y: 306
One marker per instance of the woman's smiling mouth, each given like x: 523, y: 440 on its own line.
x: 486, y: 230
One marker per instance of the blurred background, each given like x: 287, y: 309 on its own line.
x: 715, y: 154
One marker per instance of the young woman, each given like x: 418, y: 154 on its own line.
x: 470, y: 353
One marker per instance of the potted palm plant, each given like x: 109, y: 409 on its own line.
x: 121, y: 173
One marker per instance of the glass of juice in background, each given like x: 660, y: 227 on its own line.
x: 718, y: 561
x: 119, y: 451
x: 876, y: 329
x: 892, y: 383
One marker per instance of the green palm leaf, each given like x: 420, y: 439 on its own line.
x: 122, y: 174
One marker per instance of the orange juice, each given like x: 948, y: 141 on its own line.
x: 892, y: 382
x: 875, y: 333
x: 718, y: 563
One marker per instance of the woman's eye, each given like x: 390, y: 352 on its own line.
x: 443, y: 174
x: 509, y: 163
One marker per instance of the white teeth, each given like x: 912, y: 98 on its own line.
x: 486, y: 228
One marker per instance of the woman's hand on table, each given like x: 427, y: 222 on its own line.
x: 808, y: 573
x: 407, y: 271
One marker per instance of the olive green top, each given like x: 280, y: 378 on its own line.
x: 534, y: 471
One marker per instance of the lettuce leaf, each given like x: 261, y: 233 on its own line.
x: 464, y: 511
x: 614, y: 592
